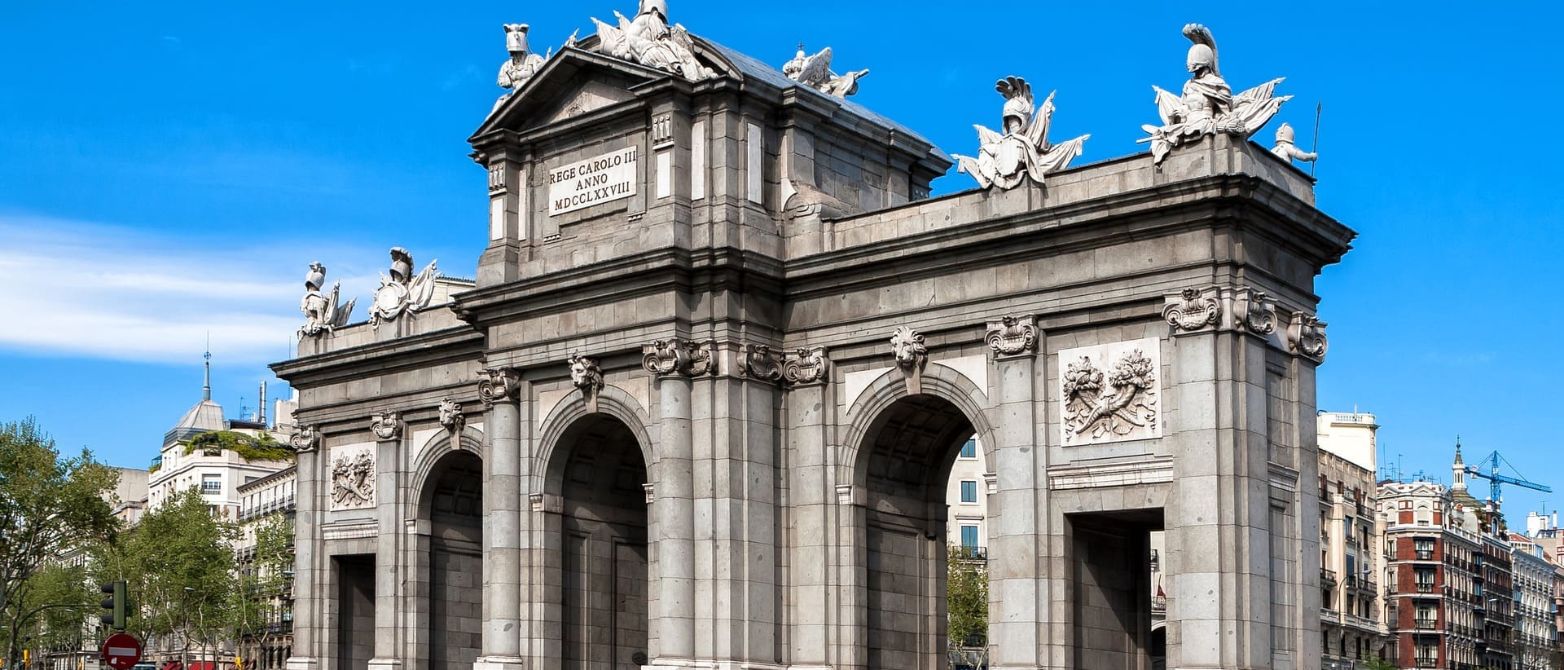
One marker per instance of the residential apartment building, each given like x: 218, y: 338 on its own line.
x: 1434, y: 585
x: 966, y: 497
x: 268, y: 640
x: 1535, y: 635
x: 1352, y: 566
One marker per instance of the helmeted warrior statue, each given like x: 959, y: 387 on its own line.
x: 816, y: 71
x: 1023, y: 150
x: 649, y: 40
x: 1288, y: 151
x: 401, y: 292
x: 322, y: 314
x: 522, y: 63
x: 1208, y: 106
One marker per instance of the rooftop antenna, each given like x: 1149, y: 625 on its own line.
x: 243, y: 408
x: 206, y: 384
x: 260, y: 411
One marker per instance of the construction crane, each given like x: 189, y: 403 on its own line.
x: 1496, y: 480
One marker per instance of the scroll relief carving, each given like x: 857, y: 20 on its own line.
x: 683, y: 357
x: 759, y: 362
x: 386, y: 426
x: 1192, y: 310
x: 911, y: 356
x: 1110, y: 392
x: 353, y: 477
x: 451, y: 416
x: 304, y: 440
x: 495, y: 385
x: 806, y: 366
x: 1306, y: 336
x: 1253, y: 311
x: 587, y: 376
x: 1012, y: 335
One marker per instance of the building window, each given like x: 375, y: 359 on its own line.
x: 968, y: 491
x: 969, y: 450
x: 969, y: 538
x: 211, y: 483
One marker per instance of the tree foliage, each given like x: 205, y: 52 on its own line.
x: 263, y: 581
x: 49, y: 506
x: 966, y: 599
x: 179, y: 564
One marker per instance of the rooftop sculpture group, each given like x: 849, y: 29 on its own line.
x: 1208, y: 106
x: 322, y: 313
x: 1023, y: 150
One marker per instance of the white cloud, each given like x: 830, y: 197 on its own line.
x: 82, y: 289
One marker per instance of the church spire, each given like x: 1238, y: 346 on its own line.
x: 1458, y: 468
x: 206, y: 383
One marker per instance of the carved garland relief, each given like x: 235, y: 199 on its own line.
x: 1110, y: 392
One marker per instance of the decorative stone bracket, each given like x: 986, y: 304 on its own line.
x: 911, y: 356
x: 451, y: 416
x: 386, y: 426
x: 498, y: 385
x: 587, y: 376
x: 1241, y: 309
x: 1012, y: 336
x: 1306, y: 336
x: 1193, y: 310
x: 304, y: 440
x: 807, y: 366
x: 682, y: 357
x: 760, y: 363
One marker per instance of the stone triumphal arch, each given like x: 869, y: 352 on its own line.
x: 698, y: 408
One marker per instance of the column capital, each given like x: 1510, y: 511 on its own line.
x: 1306, y: 336
x: 1193, y: 310
x: 387, y: 426
x: 499, y: 385
x: 304, y: 439
x: 1012, y: 336
x: 806, y: 366
x: 682, y: 357
x: 760, y: 363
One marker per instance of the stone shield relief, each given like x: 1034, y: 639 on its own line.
x: 353, y: 477
x: 1111, y: 392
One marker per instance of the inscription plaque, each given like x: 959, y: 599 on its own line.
x: 593, y: 181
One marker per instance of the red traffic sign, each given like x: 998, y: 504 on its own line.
x: 122, y: 650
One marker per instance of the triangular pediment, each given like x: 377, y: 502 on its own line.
x: 572, y: 83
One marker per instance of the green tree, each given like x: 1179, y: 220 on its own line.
x: 263, y: 581
x: 49, y: 506
x: 179, y: 563
x: 1379, y: 664
x: 966, y: 598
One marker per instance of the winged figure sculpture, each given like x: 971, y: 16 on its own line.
x: 1022, y: 151
x: 815, y: 70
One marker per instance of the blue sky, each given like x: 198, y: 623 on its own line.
x: 168, y: 170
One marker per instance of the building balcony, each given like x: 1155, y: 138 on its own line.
x: 1328, y: 576
x: 970, y: 553
x: 1425, y: 624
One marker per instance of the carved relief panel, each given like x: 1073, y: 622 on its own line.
x: 1111, y: 392
x: 353, y: 477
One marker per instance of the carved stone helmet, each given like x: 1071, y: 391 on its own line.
x: 659, y: 6
x: 1285, y: 133
x: 516, y: 37
x: 1016, y: 108
x: 401, y: 265
x: 316, y: 277
x: 1200, y: 56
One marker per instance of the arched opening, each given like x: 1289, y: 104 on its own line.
x: 600, y: 476
x: 906, y: 461
x: 453, y: 507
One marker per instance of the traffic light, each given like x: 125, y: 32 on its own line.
x: 116, y: 607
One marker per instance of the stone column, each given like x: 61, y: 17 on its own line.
x: 501, y: 648
x: 1022, y: 573
x: 673, y: 508
x: 308, y: 578
x: 808, y: 535
x: 388, y: 429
